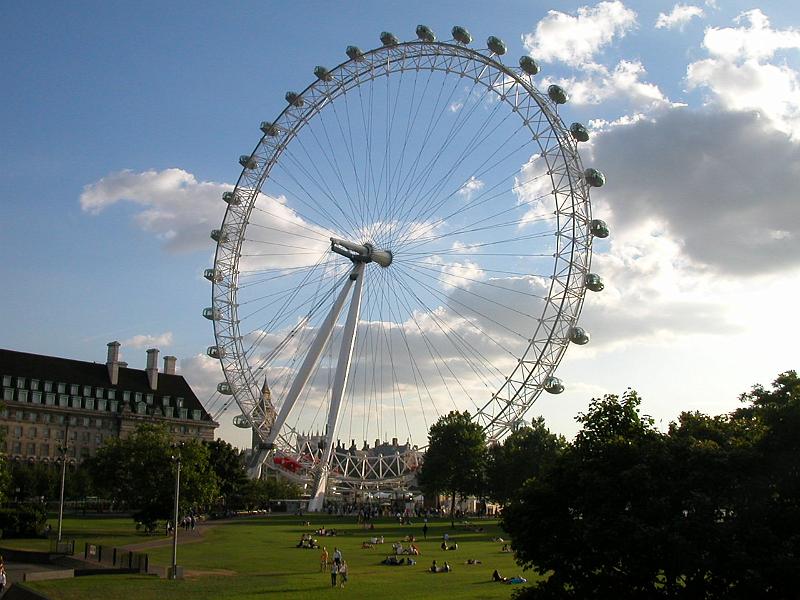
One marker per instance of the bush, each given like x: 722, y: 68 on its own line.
x: 26, y: 520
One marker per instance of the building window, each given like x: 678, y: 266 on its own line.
x: 48, y: 386
x: 137, y: 397
x: 113, y: 405
x: 87, y: 390
x: 179, y: 402
x: 17, y: 448
x: 50, y: 399
x: 44, y: 450
x: 98, y: 438
x: 45, y: 417
x: 75, y: 401
x: 17, y: 431
x: 86, y: 436
x: 63, y: 400
x: 88, y: 403
x: 19, y: 415
x: 98, y: 392
x: 165, y: 400
x: 8, y: 393
x: 73, y: 420
x: 6, y: 380
x: 59, y: 434
x: 149, y: 398
x: 32, y: 432
x: 74, y: 435
x: 22, y: 395
x: 31, y: 416
x: 32, y: 449
x: 101, y: 404
x: 98, y: 423
x: 112, y: 394
x: 73, y: 389
x: 46, y: 433
x: 87, y: 421
x: 141, y: 408
x: 36, y: 397
x: 34, y: 384
x: 20, y: 382
x: 60, y: 419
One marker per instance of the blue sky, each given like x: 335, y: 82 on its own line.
x: 694, y: 313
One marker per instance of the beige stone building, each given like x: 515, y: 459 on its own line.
x: 47, y: 400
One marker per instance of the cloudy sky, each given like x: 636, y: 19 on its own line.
x: 122, y: 127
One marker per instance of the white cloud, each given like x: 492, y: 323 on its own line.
x: 624, y: 82
x: 678, y: 17
x: 149, y: 341
x: 576, y: 39
x: 739, y: 75
x: 472, y: 185
x: 719, y: 183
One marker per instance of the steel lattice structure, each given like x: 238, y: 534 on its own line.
x: 366, y: 216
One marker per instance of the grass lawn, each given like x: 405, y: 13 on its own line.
x: 112, y: 531
x: 257, y: 558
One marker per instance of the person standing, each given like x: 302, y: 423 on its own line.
x: 425, y: 530
x: 337, y: 556
x: 343, y: 573
x: 323, y: 559
x: 334, y: 573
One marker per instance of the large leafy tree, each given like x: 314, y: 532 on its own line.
x: 522, y: 456
x: 139, y: 472
x: 455, y: 462
x: 227, y: 463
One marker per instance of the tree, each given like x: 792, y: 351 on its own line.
x: 227, y: 463
x: 455, y: 462
x: 521, y: 456
x: 139, y: 472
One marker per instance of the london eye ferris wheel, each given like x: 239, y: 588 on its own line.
x: 411, y: 235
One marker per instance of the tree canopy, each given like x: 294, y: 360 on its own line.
x: 709, y: 509
x: 455, y: 462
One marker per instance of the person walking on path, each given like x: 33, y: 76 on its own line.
x: 337, y: 556
x: 323, y: 559
x: 343, y: 573
x: 425, y: 530
x: 334, y: 572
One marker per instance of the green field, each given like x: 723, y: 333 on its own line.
x: 257, y: 558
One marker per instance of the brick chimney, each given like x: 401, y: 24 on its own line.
x: 169, y: 365
x: 112, y: 362
x: 152, y: 368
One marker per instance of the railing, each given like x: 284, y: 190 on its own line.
x: 117, y: 558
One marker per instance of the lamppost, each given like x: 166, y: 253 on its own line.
x: 62, y: 449
x: 176, y: 457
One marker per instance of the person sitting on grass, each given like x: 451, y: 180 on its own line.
x: 444, y: 546
x: 472, y: 561
x: 434, y: 568
x: 446, y: 568
x: 497, y: 577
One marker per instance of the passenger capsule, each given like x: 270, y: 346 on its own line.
x: 232, y: 198
x: 388, y: 39
x: 553, y: 385
x: 241, y: 422
x: 579, y: 132
x: 496, y: 45
x: 461, y: 35
x: 594, y: 177
x: 215, y: 352
x: 269, y: 129
x: 218, y: 235
x: 354, y: 53
x: 224, y: 388
x: 599, y: 228
x: 248, y: 162
x: 213, y: 275
x: 579, y: 336
x: 212, y: 314
x: 322, y: 73
x: 594, y: 282
x: 294, y: 99
x: 557, y: 94
x: 527, y: 64
x: 425, y: 34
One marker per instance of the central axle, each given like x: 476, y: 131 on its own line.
x: 361, y: 253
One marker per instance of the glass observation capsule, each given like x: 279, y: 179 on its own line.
x: 248, y: 162
x: 388, y: 39
x: 553, y: 385
x: 218, y: 235
x: 213, y: 275
x: 294, y: 99
x: 269, y: 128
x: 425, y: 34
x: 354, y: 53
x: 232, y: 198
x: 594, y: 282
x: 557, y: 94
x: 579, y: 336
x: 579, y: 132
x: 496, y: 45
x: 215, y: 352
x: 224, y: 388
x: 322, y: 73
x: 461, y: 35
x: 594, y: 177
x: 527, y: 64
x: 211, y: 313
x: 599, y: 228
x: 241, y: 422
